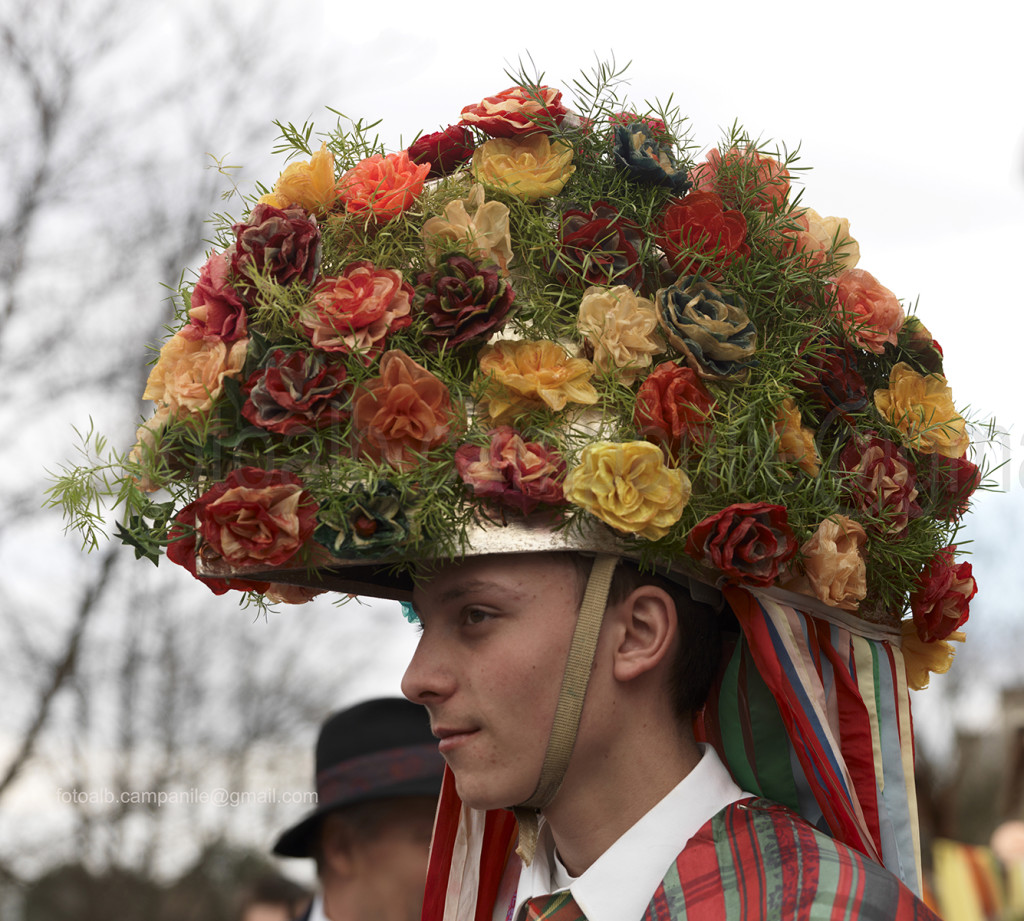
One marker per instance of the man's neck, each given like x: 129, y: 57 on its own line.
x: 600, y: 800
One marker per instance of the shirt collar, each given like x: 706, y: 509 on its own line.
x: 620, y: 883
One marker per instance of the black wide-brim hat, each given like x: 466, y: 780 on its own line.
x: 379, y: 749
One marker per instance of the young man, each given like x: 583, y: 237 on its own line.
x: 377, y: 779
x: 646, y: 823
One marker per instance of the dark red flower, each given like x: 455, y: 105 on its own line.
x: 948, y: 482
x: 747, y: 542
x: 699, y: 236
x: 463, y: 300
x: 295, y: 392
x: 216, y: 310
x: 445, y: 151
x: 283, y: 244
x: 512, y: 472
x: 673, y: 405
x: 941, y: 600
x: 598, y: 247
x: 882, y: 483
x: 515, y: 111
x: 831, y: 377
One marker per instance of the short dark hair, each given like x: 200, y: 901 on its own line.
x: 699, y: 649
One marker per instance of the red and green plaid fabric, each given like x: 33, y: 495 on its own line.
x: 558, y: 907
x: 759, y: 860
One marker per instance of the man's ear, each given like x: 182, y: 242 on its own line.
x: 646, y: 622
x: 336, y: 851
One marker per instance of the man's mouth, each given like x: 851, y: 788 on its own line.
x: 450, y: 737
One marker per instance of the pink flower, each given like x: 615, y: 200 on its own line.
x: 217, y: 310
x: 882, y: 483
x: 743, y: 175
x: 940, y: 603
x: 382, y: 187
x: 512, y: 472
x: 869, y: 312
x: 355, y: 311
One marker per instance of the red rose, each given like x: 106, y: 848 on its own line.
x: 882, y: 483
x: 295, y: 392
x: 512, y: 472
x: 699, y: 236
x: 940, y: 602
x: 402, y: 414
x: 741, y: 176
x: 217, y: 310
x: 284, y: 244
x: 445, y: 151
x: 598, y: 247
x: 515, y: 111
x: 355, y: 311
x: 948, y: 482
x: 673, y: 404
x: 746, y: 542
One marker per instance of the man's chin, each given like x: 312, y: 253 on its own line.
x: 487, y: 796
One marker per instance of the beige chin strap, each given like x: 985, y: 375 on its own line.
x: 570, y: 704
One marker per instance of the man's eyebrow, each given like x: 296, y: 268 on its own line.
x: 460, y: 589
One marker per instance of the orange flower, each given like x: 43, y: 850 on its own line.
x: 401, y: 415
x: 796, y: 441
x: 834, y: 567
x: 382, y: 187
x: 308, y: 184
x: 921, y: 407
x: 188, y: 377
x: 921, y: 658
x: 526, y: 375
x: 529, y: 168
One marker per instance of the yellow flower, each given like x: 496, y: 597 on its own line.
x: 524, y: 375
x: 796, y: 441
x: 628, y: 486
x: 622, y: 328
x: 528, y: 168
x: 144, y: 453
x: 189, y: 374
x: 308, y: 184
x: 479, y: 228
x: 921, y: 658
x: 921, y: 407
x: 834, y: 567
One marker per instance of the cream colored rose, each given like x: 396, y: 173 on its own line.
x: 832, y: 234
x: 629, y: 486
x: 834, y: 567
x: 921, y: 407
x: 477, y: 227
x: 188, y: 377
x: 622, y: 329
x: 529, y: 168
x: 144, y: 453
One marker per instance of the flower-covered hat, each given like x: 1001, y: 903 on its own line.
x: 547, y: 327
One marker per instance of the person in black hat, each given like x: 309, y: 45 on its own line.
x: 378, y: 774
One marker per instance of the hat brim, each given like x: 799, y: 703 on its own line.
x: 301, y: 839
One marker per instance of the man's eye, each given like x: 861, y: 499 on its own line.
x: 476, y: 616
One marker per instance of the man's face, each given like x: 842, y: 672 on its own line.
x: 496, y: 635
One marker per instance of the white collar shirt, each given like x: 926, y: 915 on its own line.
x: 619, y: 885
x: 316, y: 909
